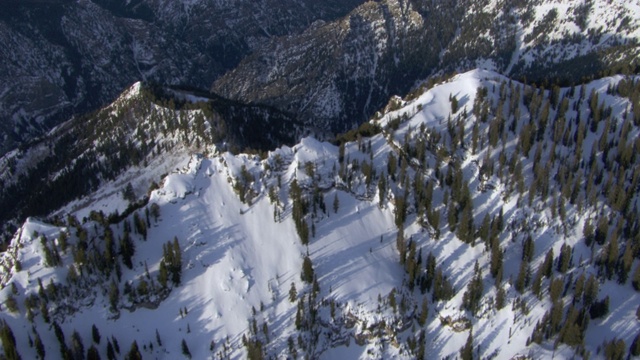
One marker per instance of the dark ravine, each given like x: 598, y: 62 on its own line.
x: 66, y: 57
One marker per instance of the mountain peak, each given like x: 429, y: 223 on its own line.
x: 411, y: 233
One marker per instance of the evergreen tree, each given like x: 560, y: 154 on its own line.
x: 64, y: 351
x: 307, y: 270
x: 465, y: 229
x: 336, y: 203
x: 39, y: 345
x: 430, y: 270
x: 185, y: 349
x: 536, y: 285
x: 424, y: 312
x: 614, y: 349
x: 11, y: 303
x: 401, y: 245
x: 466, y: 352
x: 528, y: 249
x: 473, y: 295
x: 77, y: 347
x: 635, y: 281
x: 634, y: 350
x: 127, y: 250
x: 564, y: 259
x: 590, y: 291
x: 547, y: 265
x: 114, y: 296
x: 111, y: 355
x: 599, y: 308
x: 454, y: 104
x: 625, y: 264
x: 496, y: 259
x: 134, y: 352
x: 555, y: 288
x: 293, y: 293
x: 9, y: 342
x: 521, y: 281
x: 116, y: 346
x: 163, y: 274
x: 92, y: 353
x: 95, y: 333
x: 500, y: 298
x: 176, y: 266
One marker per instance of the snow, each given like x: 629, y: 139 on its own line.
x: 240, y: 259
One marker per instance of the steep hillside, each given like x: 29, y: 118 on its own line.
x: 69, y: 57
x: 478, y: 218
x: 332, y: 63
x: 341, y: 72
x: 146, y: 126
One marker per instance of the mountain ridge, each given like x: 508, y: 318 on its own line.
x: 248, y: 226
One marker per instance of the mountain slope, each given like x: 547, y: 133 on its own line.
x: 480, y: 206
x: 71, y: 57
x: 340, y: 73
x: 146, y: 123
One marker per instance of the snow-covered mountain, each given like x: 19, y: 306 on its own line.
x: 69, y: 57
x: 332, y: 64
x: 339, y: 73
x: 138, y: 132
x: 479, y: 218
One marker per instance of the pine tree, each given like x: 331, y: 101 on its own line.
x: 424, y: 312
x: 111, y: 355
x: 134, y: 352
x: 163, y: 274
x: 496, y: 259
x: 555, y: 288
x: 8, y: 342
x: 176, y: 266
x: 634, y: 350
x: 614, y: 349
x: 95, y: 333
x: 500, y: 298
x: 293, y: 293
x: 635, y: 281
x: 11, y: 303
x: 77, y: 347
x: 466, y: 352
x: 473, y: 295
x: 454, y: 104
x: 401, y: 245
x: 114, y: 296
x: 92, y: 353
x: 127, y: 250
x: 528, y: 249
x: 521, y: 281
x: 590, y: 291
x: 564, y: 259
x: 185, y: 349
x: 307, y: 270
x: 625, y: 265
x: 547, y: 265
x: 336, y: 203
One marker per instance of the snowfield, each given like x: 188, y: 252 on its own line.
x: 240, y: 258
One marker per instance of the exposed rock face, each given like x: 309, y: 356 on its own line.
x: 64, y: 57
x: 335, y: 75
x: 330, y: 63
